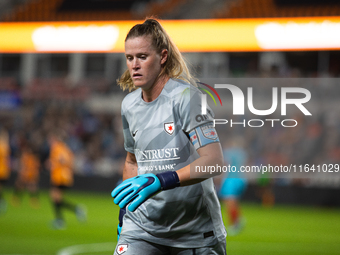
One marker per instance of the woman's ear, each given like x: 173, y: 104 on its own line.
x: 164, y: 56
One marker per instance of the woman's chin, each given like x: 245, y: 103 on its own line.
x: 139, y: 84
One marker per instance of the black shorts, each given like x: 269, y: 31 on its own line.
x: 62, y: 187
x: 3, y: 181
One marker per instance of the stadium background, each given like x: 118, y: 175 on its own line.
x: 75, y: 89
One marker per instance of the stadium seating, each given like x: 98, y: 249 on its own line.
x: 163, y: 8
x: 54, y: 89
x: 49, y: 10
x: 8, y: 84
x: 268, y: 9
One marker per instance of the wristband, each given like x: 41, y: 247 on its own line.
x: 168, y: 180
x: 122, y: 212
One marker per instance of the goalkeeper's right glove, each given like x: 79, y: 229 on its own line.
x: 138, y: 189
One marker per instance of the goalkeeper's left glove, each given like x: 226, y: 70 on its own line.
x: 138, y: 189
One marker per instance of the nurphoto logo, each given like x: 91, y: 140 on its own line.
x: 238, y: 99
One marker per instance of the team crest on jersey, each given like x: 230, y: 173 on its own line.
x: 169, y: 127
x: 122, y: 248
x: 209, y: 132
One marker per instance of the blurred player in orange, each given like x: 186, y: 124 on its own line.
x: 4, y: 166
x: 234, y: 184
x: 61, y: 171
x: 28, y: 176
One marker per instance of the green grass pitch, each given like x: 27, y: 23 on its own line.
x: 277, y: 230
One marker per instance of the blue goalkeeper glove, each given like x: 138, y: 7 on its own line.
x: 138, y: 189
x: 122, y: 212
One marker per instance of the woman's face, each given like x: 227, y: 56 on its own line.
x: 143, y: 62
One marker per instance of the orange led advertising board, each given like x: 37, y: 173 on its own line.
x: 275, y: 34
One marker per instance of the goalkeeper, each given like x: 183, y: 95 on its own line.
x: 166, y: 208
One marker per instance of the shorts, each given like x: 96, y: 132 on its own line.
x: 128, y: 245
x: 232, y: 187
x: 29, y: 177
x: 61, y: 187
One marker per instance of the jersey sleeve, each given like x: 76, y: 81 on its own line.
x: 129, y: 142
x: 191, y: 110
x: 199, y: 127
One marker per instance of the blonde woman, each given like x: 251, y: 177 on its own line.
x: 166, y: 207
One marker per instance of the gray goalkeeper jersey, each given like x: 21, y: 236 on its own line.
x: 158, y: 134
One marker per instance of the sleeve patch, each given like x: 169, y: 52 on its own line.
x: 203, y: 135
x: 194, y: 139
x: 209, y: 132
